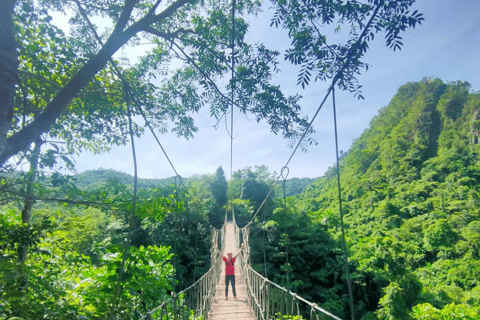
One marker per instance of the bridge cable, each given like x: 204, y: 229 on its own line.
x: 344, y: 245
x: 264, y: 254
x: 233, y: 88
x: 178, y: 182
x: 128, y: 95
x: 232, y: 104
x: 155, y: 136
x: 285, y: 235
x: 350, y: 54
x: 126, y: 86
x: 118, y: 287
x: 294, y: 151
x: 330, y: 90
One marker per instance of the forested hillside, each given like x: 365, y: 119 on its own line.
x: 95, y: 178
x: 296, y: 185
x: 411, y: 196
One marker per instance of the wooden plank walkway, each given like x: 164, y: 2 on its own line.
x: 231, y: 309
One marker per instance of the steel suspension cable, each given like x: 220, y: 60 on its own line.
x: 350, y: 54
x: 264, y: 253
x: 284, y: 220
x: 128, y: 95
x: 231, y: 109
x: 233, y: 89
x: 118, y: 287
x: 295, y: 150
x: 155, y: 136
x: 344, y: 244
x: 125, y: 83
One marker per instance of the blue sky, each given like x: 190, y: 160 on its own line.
x: 446, y: 45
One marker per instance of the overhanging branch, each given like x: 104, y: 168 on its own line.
x: 22, y: 139
x: 191, y: 62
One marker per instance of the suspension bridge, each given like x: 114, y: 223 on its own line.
x: 257, y: 297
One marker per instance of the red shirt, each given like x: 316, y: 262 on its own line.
x: 229, y: 266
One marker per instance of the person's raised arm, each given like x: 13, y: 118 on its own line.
x: 218, y: 251
x: 236, y: 254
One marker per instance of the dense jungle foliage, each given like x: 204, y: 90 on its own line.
x: 64, y: 263
x: 410, y: 188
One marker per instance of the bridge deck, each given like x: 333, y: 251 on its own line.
x: 231, y: 309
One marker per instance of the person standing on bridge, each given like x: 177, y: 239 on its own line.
x: 230, y: 270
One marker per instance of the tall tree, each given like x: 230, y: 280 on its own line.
x: 8, y: 69
x: 219, y: 188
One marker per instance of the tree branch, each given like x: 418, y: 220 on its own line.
x: 87, y: 20
x: 324, y: 42
x: 151, y: 19
x: 151, y: 12
x: 353, y: 48
x: 125, y: 15
x: 22, y: 139
x: 169, y: 35
x: 190, y: 60
x: 39, y: 77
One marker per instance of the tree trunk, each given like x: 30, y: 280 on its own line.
x: 8, y: 68
x: 30, y: 196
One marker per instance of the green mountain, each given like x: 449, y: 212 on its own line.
x: 295, y: 185
x: 411, y: 198
x: 94, y: 178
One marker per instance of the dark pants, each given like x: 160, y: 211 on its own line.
x: 230, y: 278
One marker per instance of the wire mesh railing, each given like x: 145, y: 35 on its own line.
x: 268, y: 300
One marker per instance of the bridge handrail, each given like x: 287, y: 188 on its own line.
x: 260, y: 298
x: 198, y: 296
x: 291, y: 293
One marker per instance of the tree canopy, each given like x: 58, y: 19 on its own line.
x: 69, y: 85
